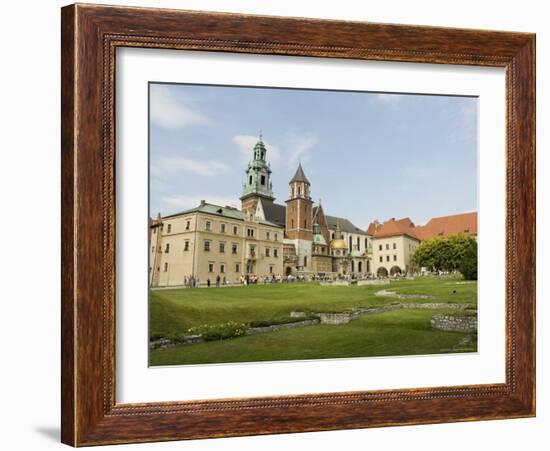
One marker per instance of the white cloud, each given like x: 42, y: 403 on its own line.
x: 171, y: 111
x: 245, y: 144
x: 183, y: 202
x: 207, y: 168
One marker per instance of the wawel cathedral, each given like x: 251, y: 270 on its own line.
x: 266, y: 239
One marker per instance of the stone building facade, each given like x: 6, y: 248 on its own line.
x: 395, y: 241
x: 211, y: 241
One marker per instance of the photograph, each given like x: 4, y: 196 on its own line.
x: 300, y: 224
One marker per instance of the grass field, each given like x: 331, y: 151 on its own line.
x: 400, y: 332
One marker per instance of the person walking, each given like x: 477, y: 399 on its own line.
x: 208, y: 282
x: 218, y: 281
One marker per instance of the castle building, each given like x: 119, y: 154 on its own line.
x: 261, y: 239
x: 265, y: 239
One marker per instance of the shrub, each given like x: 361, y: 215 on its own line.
x: 212, y: 332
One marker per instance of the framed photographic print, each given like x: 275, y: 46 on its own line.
x: 279, y: 225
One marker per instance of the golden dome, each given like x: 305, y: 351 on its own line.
x: 338, y: 244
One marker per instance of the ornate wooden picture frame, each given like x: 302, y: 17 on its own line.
x: 90, y: 37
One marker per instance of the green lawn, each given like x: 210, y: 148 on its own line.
x: 401, y: 332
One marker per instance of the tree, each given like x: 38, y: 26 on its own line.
x: 452, y: 253
x: 468, y: 264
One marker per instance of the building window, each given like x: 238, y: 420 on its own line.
x: 305, y: 260
x: 210, y: 267
x: 222, y: 247
x: 222, y: 228
x: 208, y: 225
x: 275, y: 253
x: 358, y: 243
x: 379, y: 247
x: 233, y: 248
x: 207, y: 246
x: 387, y: 258
x: 366, y: 243
x: 275, y: 237
x: 299, y: 190
x: 305, y: 224
x: 167, y: 248
x: 250, y: 180
x: 250, y: 233
x: 267, y: 236
x: 169, y: 229
x: 237, y: 267
x: 186, y: 245
x: 187, y: 225
x: 263, y: 179
x: 235, y: 230
x: 395, y: 245
x: 166, y: 267
x: 292, y: 223
x: 267, y: 252
x: 387, y: 246
x: 332, y: 236
x: 270, y: 269
x: 222, y: 268
x: 395, y: 258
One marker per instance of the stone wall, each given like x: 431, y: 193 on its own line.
x: 164, y: 343
x: 274, y: 327
x: 455, y: 323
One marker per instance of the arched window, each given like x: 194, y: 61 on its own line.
x: 250, y: 180
x: 360, y: 267
x: 299, y: 190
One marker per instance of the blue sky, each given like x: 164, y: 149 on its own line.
x: 367, y: 155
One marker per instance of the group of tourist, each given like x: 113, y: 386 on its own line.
x: 253, y: 279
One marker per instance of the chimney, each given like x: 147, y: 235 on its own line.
x: 203, y: 202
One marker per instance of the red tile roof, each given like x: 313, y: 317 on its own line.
x: 394, y: 227
x: 465, y: 223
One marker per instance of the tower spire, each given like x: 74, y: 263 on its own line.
x: 258, y: 177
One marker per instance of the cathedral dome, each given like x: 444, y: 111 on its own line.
x: 338, y: 244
